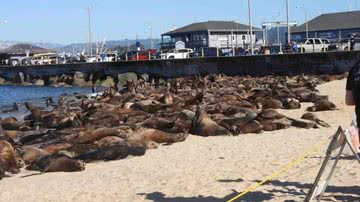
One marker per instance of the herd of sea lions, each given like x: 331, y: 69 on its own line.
x: 147, y: 113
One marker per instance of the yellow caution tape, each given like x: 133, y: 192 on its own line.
x: 284, y: 169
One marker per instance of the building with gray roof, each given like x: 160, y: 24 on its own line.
x: 219, y: 34
x: 330, y: 25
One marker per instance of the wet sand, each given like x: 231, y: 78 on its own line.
x: 206, y: 169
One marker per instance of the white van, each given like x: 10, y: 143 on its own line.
x: 177, y: 54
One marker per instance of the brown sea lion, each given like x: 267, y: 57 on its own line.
x: 110, y: 141
x: 270, y: 114
x: 291, y: 103
x: 153, y: 135
x: 30, y: 153
x: 313, y: 117
x: 64, y: 164
x: 91, y: 136
x: 252, y: 126
x: 158, y: 123
x: 202, y: 125
x: 268, y: 102
x: 56, y: 163
x: 322, y: 105
x: 114, y: 152
x: 8, y: 161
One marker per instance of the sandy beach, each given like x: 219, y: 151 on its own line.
x: 206, y: 169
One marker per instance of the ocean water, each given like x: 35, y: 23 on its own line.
x: 33, y: 94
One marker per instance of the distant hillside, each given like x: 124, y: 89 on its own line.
x: 7, y: 44
x: 23, y: 48
x: 79, y: 47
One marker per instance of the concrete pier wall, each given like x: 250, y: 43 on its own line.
x: 309, y: 63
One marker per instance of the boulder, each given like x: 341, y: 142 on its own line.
x: 108, y: 82
x: 123, y: 78
x: 39, y: 82
x: 79, y: 79
x: 2, y: 81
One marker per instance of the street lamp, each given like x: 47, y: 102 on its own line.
x: 287, y: 20
x: 251, y: 31
x: 306, y: 21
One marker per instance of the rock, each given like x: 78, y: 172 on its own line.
x: 53, y: 80
x: 19, y: 78
x: 79, y: 79
x: 108, y: 82
x: 145, y: 77
x: 39, y: 82
x: 2, y: 81
x: 123, y: 78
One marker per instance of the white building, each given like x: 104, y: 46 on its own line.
x: 218, y: 34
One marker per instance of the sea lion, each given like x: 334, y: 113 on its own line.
x: 313, y: 117
x: 8, y: 161
x: 158, y: 123
x: 11, y: 124
x: 167, y: 99
x: 35, y: 113
x: 252, y: 126
x: 153, y: 135
x: 202, y: 125
x: 64, y: 164
x: 291, y: 103
x: 56, y: 163
x: 270, y: 114
x: 30, y: 154
x: 114, y: 152
x: 322, y: 105
x: 110, y: 141
x: 90, y: 136
x: 269, y: 103
x: 15, y: 108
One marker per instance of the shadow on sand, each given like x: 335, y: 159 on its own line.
x: 300, y: 190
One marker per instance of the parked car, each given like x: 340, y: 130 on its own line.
x: 206, y: 52
x: 138, y: 55
x: 344, y: 44
x: 313, y: 45
x: 177, y: 54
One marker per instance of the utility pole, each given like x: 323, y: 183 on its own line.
x: 90, y: 31
x: 307, y: 24
x: 151, y: 38
x: 287, y: 21
x: 350, y: 5
x: 251, y: 31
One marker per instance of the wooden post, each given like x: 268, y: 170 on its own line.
x: 126, y: 56
x: 202, y: 52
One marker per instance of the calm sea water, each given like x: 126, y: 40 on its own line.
x: 33, y: 94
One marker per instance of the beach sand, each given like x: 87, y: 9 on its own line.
x: 206, y: 169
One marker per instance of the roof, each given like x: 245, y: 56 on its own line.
x: 23, y: 48
x: 331, y: 21
x: 213, y: 26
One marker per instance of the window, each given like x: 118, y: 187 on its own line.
x: 317, y: 41
x: 311, y: 41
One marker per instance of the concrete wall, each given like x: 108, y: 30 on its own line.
x: 309, y: 63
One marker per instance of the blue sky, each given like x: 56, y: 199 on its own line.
x: 65, y: 21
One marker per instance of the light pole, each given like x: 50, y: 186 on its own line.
x: 151, y: 40
x: 251, y: 31
x: 306, y: 21
x: 90, y: 34
x: 287, y: 21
